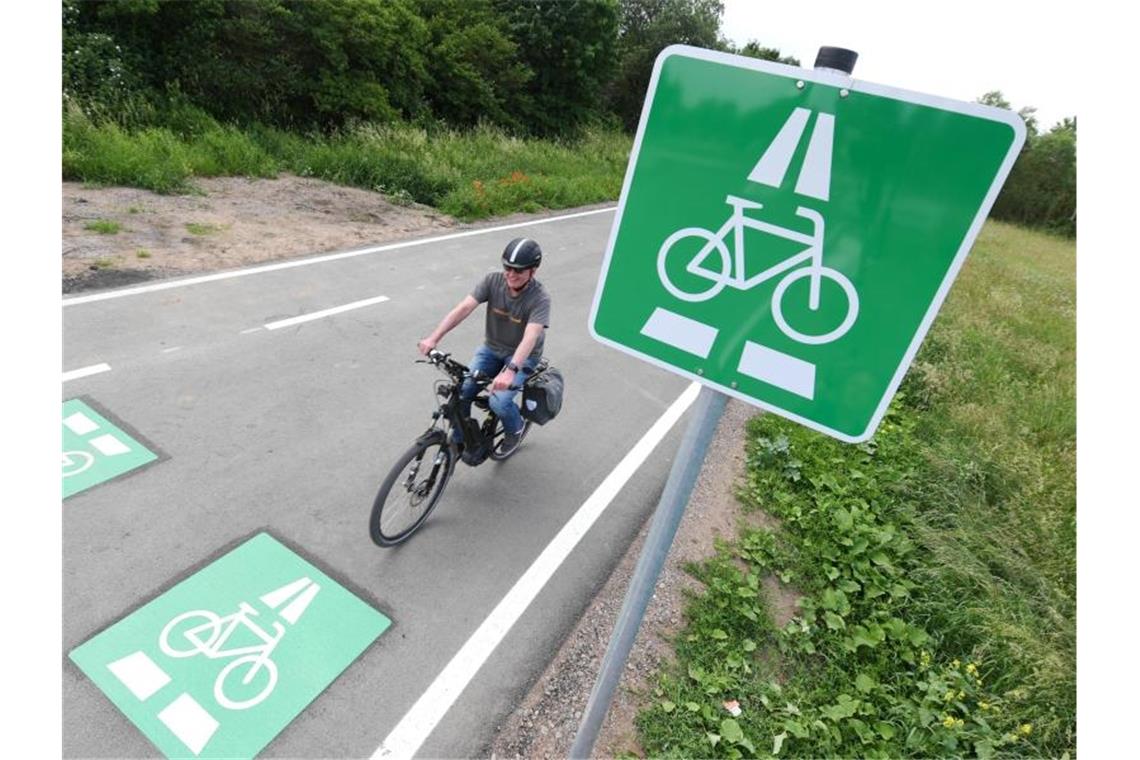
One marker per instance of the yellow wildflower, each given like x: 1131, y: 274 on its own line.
x: 955, y: 664
x: 972, y: 669
x: 984, y: 705
x: 948, y: 721
x: 1025, y: 729
x: 948, y: 696
x: 959, y: 723
x: 961, y: 695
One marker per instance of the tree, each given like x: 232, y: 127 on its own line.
x: 287, y: 62
x: 569, y: 45
x: 474, y: 65
x: 753, y: 49
x: 1041, y: 190
x: 1028, y: 113
x: 647, y: 27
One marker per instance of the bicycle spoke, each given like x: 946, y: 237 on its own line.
x: 409, y: 500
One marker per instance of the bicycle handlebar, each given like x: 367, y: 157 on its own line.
x: 461, y: 372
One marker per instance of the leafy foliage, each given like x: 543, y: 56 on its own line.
x: 178, y: 69
x: 935, y: 563
x: 569, y: 45
x: 646, y: 28
x: 1042, y: 187
x: 1041, y: 190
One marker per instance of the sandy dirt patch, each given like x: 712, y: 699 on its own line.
x: 234, y: 222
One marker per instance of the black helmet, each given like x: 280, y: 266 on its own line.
x: 522, y: 253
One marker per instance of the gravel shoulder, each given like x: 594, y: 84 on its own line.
x: 237, y: 222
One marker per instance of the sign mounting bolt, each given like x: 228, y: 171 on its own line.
x: 844, y: 92
x: 800, y: 84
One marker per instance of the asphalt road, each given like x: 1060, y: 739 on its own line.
x: 290, y: 431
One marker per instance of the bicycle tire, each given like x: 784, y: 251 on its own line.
x: 497, y: 436
x: 203, y: 617
x: 718, y: 283
x: 254, y: 664
x: 826, y: 273
x: 393, y: 519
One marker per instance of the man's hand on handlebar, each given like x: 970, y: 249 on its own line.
x: 426, y: 345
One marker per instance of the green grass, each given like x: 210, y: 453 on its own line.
x: 103, y: 226
x: 937, y: 561
x: 469, y: 174
x: 198, y: 228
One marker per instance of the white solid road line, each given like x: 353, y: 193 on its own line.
x: 94, y: 369
x: 415, y: 727
x: 324, y: 313
x: 315, y: 260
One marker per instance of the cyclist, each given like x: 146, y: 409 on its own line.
x: 518, y: 313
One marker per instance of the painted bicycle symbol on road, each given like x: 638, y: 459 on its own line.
x: 729, y: 270
x: 75, y: 462
x: 252, y: 675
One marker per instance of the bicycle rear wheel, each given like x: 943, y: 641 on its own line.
x: 411, y: 490
x: 497, y: 437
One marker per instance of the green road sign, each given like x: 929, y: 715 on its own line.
x: 221, y: 663
x: 787, y: 236
x: 94, y: 450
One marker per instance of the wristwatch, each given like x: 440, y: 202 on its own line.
x: 512, y: 367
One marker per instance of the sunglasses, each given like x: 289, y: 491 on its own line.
x: 508, y: 269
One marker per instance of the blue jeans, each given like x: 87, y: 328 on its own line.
x: 502, y: 402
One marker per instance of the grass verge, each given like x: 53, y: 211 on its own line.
x: 470, y: 174
x: 938, y: 560
x: 103, y: 226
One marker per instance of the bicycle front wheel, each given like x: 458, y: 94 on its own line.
x: 411, y: 490
x: 247, y: 687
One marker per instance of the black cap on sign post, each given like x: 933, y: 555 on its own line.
x: 840, y: 59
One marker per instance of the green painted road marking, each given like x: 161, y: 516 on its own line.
x: 787, y: 236
x: 218, y: 665
x: 94, y: 450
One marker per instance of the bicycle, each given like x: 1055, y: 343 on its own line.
x: 405, y: 500
x: 218, y: 630
x: 732, y: 270
x: 75, y: 462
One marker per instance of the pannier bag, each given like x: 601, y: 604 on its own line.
x: 542, y: 396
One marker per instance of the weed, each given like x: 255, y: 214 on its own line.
x: 103, y: 226
x: 103, y: 263
x: 469, y: 174
x: 197, y: 228
x: 142, y: 253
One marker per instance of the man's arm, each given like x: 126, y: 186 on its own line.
x: 453, y: 318
x: 531, y: 334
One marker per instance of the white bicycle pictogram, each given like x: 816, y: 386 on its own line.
x: 204, y: 632
x: 731, y: 270
x: 75, y: 462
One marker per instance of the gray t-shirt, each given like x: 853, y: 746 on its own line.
x: 508, y: 317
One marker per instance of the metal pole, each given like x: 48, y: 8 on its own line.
x: 686, y: 466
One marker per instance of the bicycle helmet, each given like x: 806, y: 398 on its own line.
x: 522, y: 253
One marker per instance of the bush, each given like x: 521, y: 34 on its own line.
x: 1042, y: 188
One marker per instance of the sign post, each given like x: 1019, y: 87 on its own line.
x: 785, y: 237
